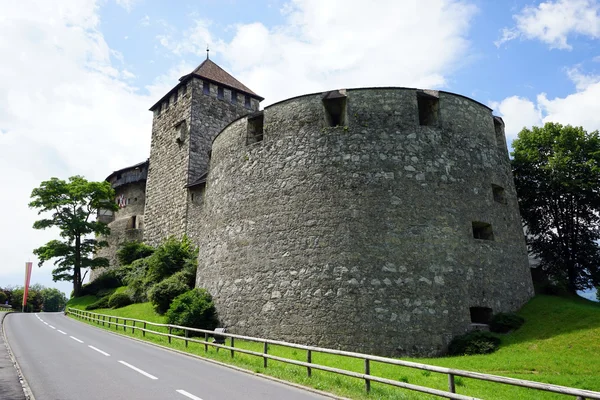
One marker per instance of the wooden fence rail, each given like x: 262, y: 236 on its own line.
x: 141, y: 325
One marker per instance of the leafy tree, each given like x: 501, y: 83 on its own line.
x: 53, y: 299
x: 71, y: 206
x: 557, y: 177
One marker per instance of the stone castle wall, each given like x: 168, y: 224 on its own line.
x: 182, y: 135
x: 361, y: 236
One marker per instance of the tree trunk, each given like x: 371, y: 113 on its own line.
x: 77, y: 268
x: 572, y: 276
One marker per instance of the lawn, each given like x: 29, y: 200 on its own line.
x: 559, y: 344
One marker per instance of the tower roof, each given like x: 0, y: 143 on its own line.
x: 212, y: 72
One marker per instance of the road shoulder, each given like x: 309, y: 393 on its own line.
x: 12, y: 383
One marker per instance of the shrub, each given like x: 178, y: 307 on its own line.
x: 119, y: 300
x: 100, y: 303
x: 162, y: 294
x: 193, y: 309
x: 130, y: 251
x: 106, y: 280
x: 475, y: 342
x: 136, y: 280
x: 3, y: 297
x: 171, y: 256
x: 505, y: 322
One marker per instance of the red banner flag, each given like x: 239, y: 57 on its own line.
x: 28, y: 267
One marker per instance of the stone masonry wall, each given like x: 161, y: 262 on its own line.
x: 360, y: 237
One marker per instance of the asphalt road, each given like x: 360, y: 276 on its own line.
x: 67, y: 360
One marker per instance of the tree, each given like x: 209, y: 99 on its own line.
x: 557, y: 177
x: 53, y: 299
x: 72, y: 205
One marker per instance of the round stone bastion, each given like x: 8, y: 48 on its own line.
x: 378, y: 220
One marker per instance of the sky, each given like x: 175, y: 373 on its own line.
x: 77, y: 76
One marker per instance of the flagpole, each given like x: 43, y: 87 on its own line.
x: 28, y: 268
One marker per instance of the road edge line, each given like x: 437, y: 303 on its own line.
x: 24, y: 384
x: 247, y: 371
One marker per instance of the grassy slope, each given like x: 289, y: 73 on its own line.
x: 558, y: 344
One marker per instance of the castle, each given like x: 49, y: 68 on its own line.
x: 380, y: 220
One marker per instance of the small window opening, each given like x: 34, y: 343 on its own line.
x: 184, y: 90
x: 499, y: 130
x: 481, y: 315
x: 175, y: 95
x: 180, y: 131
x: 335, y: 107
x: 482, y: 230
x: 166, y: 105
x: 247, y: 102
x: 157, y: 110
x: 255, y: 128
x: 220, y: 93
x: 135, y: 199
x: 192, y: 196
x: 205, y: 87
x: 131, y: 223
x: 233, y: 96
x: 429, y: 109
x: 499, y: 195
x: 119, y: 176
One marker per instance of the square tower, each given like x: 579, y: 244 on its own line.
x: 186, y: 120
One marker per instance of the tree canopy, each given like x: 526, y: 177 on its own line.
x: 557, y: 177
x: 70, y: 206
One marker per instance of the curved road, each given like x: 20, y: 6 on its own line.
x: 68, y: 360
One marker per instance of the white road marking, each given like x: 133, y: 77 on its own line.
x: 64, y: 333
x: 77, y: 340
x: 99, y: 351
x: 138, y: 370
x: 51, y: 327
x: 45, y: 322
x: 189, y: 395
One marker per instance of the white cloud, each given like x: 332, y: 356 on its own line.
x: 64, y: 110
x: 578, y: 109
x: 552, y: 22
x: 127, y: 4
x: 342, y: 43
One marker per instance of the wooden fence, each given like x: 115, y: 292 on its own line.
x: 120, y: 322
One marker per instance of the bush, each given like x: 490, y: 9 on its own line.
x: 104, y: 281
x: 119, y: 300
x: 3, y: 297
x: 136, y: 280
x: 506, y: 322
x: 100, y: 303
x: 170, y: 257
x: 475, y: 342
x: 193, y: 309
x: 162, y: 294
x: 130, y: 251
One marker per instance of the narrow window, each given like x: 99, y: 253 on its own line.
x: 498, y: 192
x: 429, y: 109
x: 205, y: 87
x: 481, y: 315
x: 135, y: 199
x: 499, y: 130
x: 233, y: 96
x: 184, y: 90
x: 157, y: 110
x: 192, y: 197
x: 255, y: 128
x: 482, y: 230
x: 131, y: 223
x: 335, y: 107
x: 247, y: 102
x: 166, y: 105
x: 175, y: 96
x: 181, y: 131
x: 220, y: 93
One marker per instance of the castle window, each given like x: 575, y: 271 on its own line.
x: 498, y: 192
x: 482, y: 230
x: 157, y: 111
x: 429, y: 109
x: 499, y: 130
x: 247, y: 102
x: 255, y: 128
x: 166, y: 104
x: 220, y: 93
x: 175, y: 97
x: 131, y: 223
x: 335, y: 107
x: 205, y: 87
x: 480, y: 315
x: 181, y: 131
x: 184, y: 90
x: 233, y: 96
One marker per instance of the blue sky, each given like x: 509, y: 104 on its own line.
x: 78, y: 77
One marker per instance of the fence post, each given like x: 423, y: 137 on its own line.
x: 205, y: 341
x: 124, y: 325
x: 103, y: 320
x: 232, y: 346
x: 109, y: 318
x: 117, y: 323
x: 309, y: 360
x: 144, y: 331
x: 265, y: 350
x: 186, y: 336
x: 169, y: 334
x: 133, y: 327
x: 367, y: 372
x: 451, y: 385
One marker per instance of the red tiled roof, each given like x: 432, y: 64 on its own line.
x: 211, y: 71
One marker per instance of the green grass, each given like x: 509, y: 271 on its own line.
x: 559, y: 343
